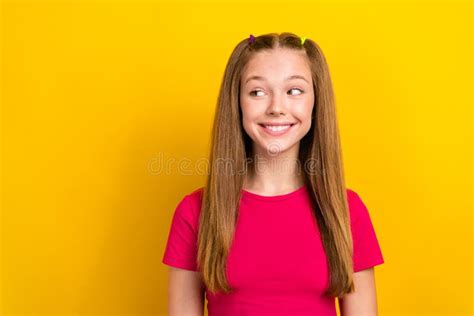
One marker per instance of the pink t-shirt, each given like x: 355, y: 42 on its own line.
x: 277, y: 262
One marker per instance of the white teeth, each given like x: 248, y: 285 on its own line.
x: 277, y: 128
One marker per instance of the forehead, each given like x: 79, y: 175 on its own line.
x: 277, y: 63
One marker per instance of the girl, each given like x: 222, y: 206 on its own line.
x: 274, y: 231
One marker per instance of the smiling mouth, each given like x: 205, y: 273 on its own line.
x: 277, y: 128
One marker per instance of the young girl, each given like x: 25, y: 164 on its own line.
x: 274, y: 231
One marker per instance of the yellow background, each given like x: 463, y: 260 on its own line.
x: 95, y: 92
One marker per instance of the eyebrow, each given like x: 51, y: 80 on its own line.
x: 263, y: 78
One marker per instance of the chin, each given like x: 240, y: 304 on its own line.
x: 273, y: 148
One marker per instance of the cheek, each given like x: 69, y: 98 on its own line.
x: 248, y: 117
x: 304, y: 113
x: 250, y: 112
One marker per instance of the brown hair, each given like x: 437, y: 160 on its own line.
x: 319, y: 148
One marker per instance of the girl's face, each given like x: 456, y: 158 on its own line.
x: 276, y: 89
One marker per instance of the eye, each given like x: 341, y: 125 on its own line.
x: 255, y: 91
x: 301, y: 91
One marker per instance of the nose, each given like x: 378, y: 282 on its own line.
x: 277, y: 106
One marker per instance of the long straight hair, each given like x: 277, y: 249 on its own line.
x: 320, y: 153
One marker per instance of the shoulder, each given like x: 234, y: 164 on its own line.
x: 357, y: 207
x: 194, y: 198
x: 352, y: 195
x: 189, y: 206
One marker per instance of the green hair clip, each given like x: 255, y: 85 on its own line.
x: 302, y: 40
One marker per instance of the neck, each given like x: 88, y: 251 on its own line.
x: 273, y: 174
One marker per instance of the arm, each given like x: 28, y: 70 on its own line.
x: 185, y: 293
x: 363, y: 301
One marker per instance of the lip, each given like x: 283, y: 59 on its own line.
x: 276, y: 123
x: 276, y: 133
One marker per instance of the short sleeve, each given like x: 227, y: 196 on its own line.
x: 181, y: 247
x: 367, y: 252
